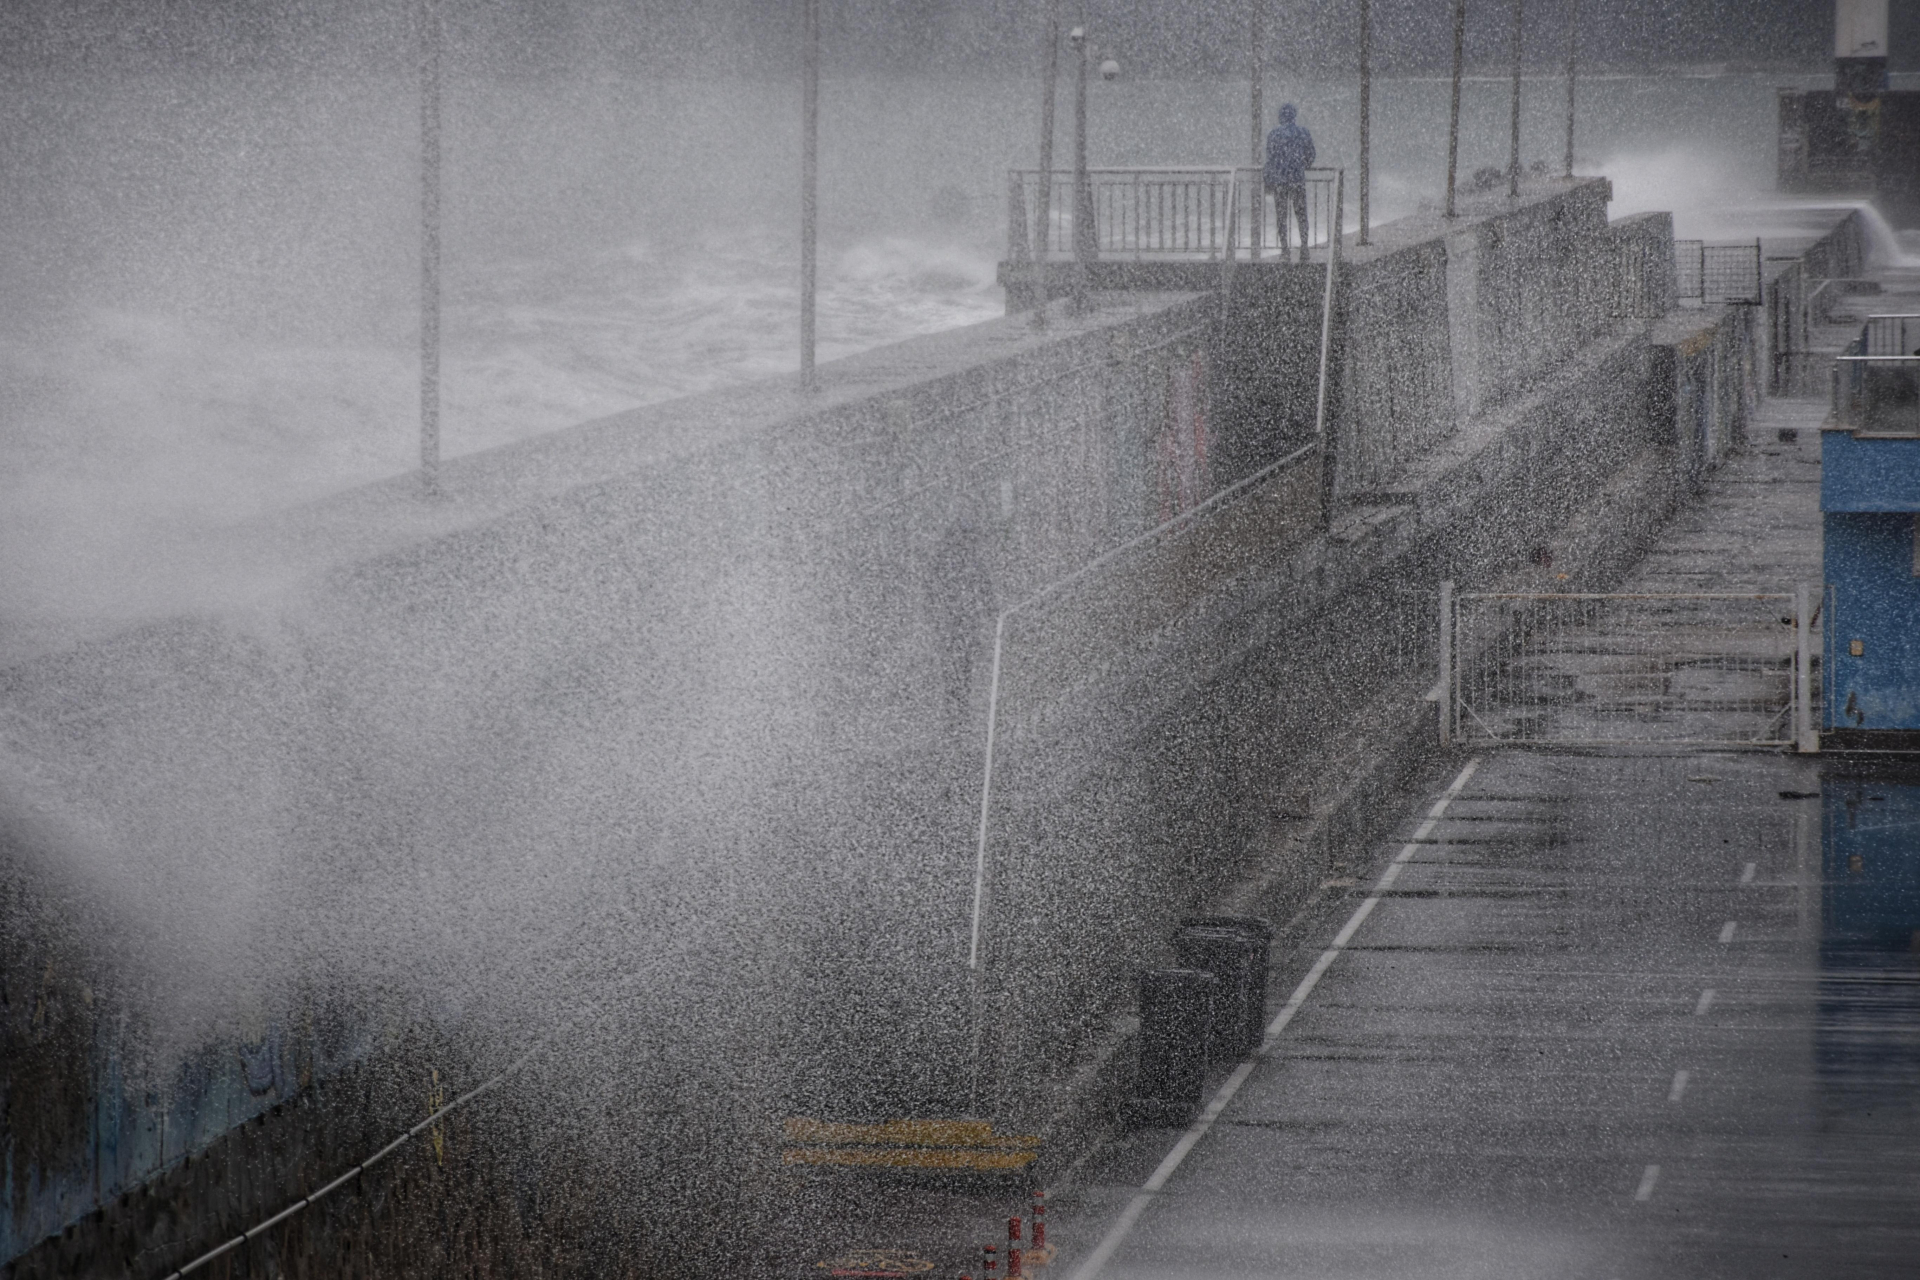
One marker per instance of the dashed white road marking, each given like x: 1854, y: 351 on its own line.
x: 1679, y: 1086
x: 1704, y: 1003
x: 1726, y: 931
x: 1746, y: 876
x: 1647, y: 1181
x: 1171, y: 1162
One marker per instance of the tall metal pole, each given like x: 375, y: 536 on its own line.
x: 809, y: 182
x: 1453, y: 118
x: 1366, y: 104
x: 430, y: 244
x: 1513, y: 155
x: 1573, y: 45
x: 1043, y: 204
x: 1083, y: 224
x: 1256, y: 70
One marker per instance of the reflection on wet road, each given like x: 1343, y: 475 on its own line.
x: 1615, y: 1016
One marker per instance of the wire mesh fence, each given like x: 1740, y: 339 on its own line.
x: 1708, y: 669
x: 1717, y: 274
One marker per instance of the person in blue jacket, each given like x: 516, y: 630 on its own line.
x: 1289, y: 153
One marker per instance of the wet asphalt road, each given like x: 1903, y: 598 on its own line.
x: 1514, y: 1067
x: 1628, y: 1015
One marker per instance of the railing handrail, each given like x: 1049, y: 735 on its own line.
x: 1162, y: 211
x: 1146, y: 168
x: 1910, y: 359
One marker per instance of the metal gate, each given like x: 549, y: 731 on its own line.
x: 1715, y: 670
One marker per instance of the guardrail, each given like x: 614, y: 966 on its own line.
x: 1876, y: 384
x: 1157, y: 214
x: 1717, y: 274
x: 1710, y: 668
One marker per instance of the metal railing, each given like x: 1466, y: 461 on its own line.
x: 1876, y: 384
x: 1157, y: 213
x: 1261, y: 221
x: 1717, y: 274
x: 1701, y: 669
x: 1891, y: 335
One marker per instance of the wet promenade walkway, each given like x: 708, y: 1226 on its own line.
x: 1632, y: 1014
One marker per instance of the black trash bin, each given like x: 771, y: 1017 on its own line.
x: 1176, y: 1010
x: 1234, y: 949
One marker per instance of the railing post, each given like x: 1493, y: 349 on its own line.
x: 1446, y: 689
x: 1805, y: 739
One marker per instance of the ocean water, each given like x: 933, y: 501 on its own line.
x: 213, y: 280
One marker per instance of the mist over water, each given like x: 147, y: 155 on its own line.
x: 217, y: 283
x: 214, y: 317
x: 217, y: 316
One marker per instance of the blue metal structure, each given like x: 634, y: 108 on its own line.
x: 1865, y: 1047
x: 1870, y: 505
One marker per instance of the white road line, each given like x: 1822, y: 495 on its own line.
x: 1679, y: 1086
x: 1746, y: 876
x: 1726, y: 932
x: 1171, y: 1162
x: 1647, y: 1181
x: 1704, y: 1003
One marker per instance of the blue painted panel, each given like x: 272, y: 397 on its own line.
x: 1872, y: 597
x: 1868, y: 475
x: 1869, y: 936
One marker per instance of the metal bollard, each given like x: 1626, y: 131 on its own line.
x: 1013, y: 1249
x: 1039, y: 1221
x: 989, y: 1263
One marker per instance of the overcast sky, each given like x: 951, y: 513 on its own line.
x: 1151, y: 37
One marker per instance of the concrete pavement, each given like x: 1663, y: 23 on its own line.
x: 1597, y: 1023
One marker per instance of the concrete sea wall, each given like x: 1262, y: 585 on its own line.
x: 704, y: 689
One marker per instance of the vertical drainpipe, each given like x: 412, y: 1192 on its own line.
x: 430, y: 245
x: 1453, y: 117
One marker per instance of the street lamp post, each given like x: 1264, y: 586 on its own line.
x: 809, y: 182
x: 1513, y: 155
x: 1256, y: 68
x: 1366, y: 104
x: 1453, y: 117
x: 1083, y: 225
x: 1573, y: 45
x: 1043, y: 198
x: 430, y: 245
